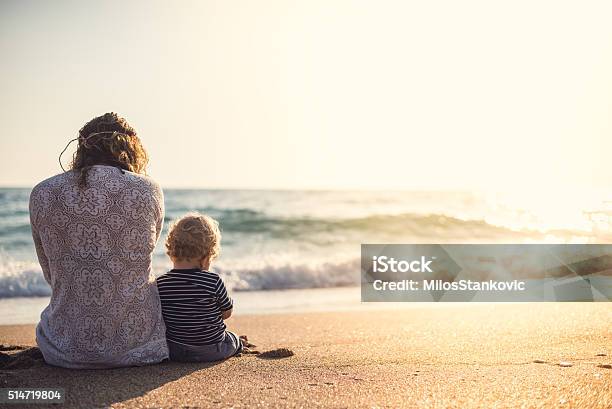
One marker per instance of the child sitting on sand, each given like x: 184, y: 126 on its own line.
x: 194, y: 301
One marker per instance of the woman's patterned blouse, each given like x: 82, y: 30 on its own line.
x: 94, y: 245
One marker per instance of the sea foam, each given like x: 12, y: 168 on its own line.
x: 25, y: 279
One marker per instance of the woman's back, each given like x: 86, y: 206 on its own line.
x: 94, y: 244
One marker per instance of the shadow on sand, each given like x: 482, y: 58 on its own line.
x: 23, y: 366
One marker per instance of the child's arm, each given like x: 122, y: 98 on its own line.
x: 226, y: 314
x: 224, y: 302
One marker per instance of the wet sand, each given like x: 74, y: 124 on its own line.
x: 477, y: 355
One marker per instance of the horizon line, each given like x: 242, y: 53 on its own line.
x: 314, y: 189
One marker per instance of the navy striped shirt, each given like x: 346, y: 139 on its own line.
x: 192, y: 301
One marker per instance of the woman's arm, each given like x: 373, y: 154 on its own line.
x: 158, y: 195
x: 40, y: 251
x: 42, y: 257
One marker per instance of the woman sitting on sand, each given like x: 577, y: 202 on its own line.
x: 95, y: 228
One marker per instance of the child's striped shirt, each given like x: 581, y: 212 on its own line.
x: 192, y: 301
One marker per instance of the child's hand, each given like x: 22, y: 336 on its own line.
x: 226, y: 314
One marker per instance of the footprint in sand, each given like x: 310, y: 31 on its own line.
x: 12, y: 347
x: 273, y: 354
x: 276, y: 354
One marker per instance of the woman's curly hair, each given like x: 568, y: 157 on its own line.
x: 194, y: 236
x: 108, y: 140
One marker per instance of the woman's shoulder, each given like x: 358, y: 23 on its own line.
x: 143, y: 181
x: 118, y: 180
x: 100, y: 178
x: 53, y: 182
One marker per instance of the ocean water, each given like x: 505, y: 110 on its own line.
x: 275, y: 240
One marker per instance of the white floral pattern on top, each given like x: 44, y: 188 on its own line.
x: 93, y: 241
x: 92, y: 201
x: 93, y: 285
x: 115, y: 221
x: 135, y: 204
x: 94, y: 245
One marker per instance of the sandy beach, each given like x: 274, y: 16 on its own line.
x: 476, y: 355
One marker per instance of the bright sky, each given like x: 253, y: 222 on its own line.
x: 317, y: 94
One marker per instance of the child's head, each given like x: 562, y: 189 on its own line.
x: 194, y: 238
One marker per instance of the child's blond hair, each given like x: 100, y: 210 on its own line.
x: 194, y: 236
